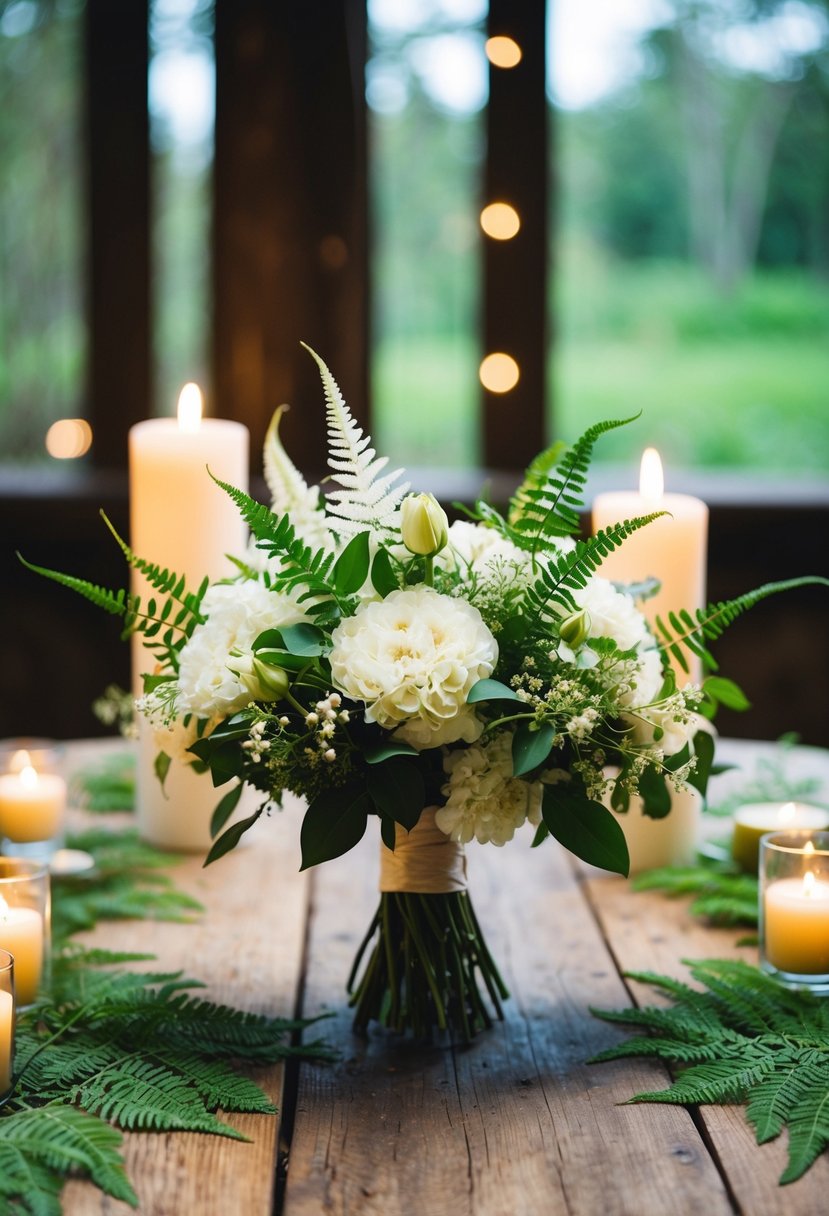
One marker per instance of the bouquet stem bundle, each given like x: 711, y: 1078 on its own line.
x: 424, y: 968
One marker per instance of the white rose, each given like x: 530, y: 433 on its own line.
x: 613, y: 615
x: 411, y: 659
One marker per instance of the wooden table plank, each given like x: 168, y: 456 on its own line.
x: 646, y: 931
x: 247, y: 948
x: 515, y: 1124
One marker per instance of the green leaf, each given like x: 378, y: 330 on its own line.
x: 586, y: 828
x: 334, y: 822
x: 704, y: 748
x: 305, y: 640
x: 541, y: 834
x: 397, y: 790
x: 490, y: 690
x: 379, y: 752
x: 388, y: 832
x: 383, y: 578
x: 229, y: 839
x: 161, y: 767
x: 530, y: 747
x: 226, y: 761
x: 225, y: 808
x: 351, y: 567
x: 726, y: 692
x: 654, y: 792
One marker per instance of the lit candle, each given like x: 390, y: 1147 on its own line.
x: 21, y: 933
x: 32, y: 804
x: 670, y: 841
x: 796, y: 925
x: 672, y: 549
x: 180, y: 519
x: 6, y: 1022
x: 756, y: 818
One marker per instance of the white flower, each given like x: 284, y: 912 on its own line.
x: 613, y: 615
x: 484, y: 549
x: 411, y: 659
x: 236, y: 614
x: 483, y: 799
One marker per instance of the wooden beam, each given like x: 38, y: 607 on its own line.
x: 515, y: 271
x: 290, y: 228
x: 119, y: 381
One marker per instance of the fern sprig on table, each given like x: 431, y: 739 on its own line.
x: 741, y: 1038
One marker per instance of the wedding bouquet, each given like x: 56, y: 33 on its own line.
x: 454, y: 682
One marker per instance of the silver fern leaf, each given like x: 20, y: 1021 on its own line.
x: 290, y: 494
x: 365, y: 501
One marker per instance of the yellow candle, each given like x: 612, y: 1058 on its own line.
x: 796, y: 925
x: 32, y: 804
x: 756, y: 818
x: 672, y: 548
x: 6, y: 1040
x: 21, y: 933
x: 179, y: 518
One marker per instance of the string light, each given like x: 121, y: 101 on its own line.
x: 503, y: 52
x: 499, y: 372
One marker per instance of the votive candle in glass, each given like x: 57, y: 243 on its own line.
x: 794, y: 908
x: 25, y: 919
x: 6, y: 1023
x: 32, y: 802
x: 754, y: 819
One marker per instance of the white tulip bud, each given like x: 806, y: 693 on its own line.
x: 423, y: 524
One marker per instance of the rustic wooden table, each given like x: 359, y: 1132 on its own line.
x: 516, y: 1125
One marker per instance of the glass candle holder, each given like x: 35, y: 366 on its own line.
x: 6, y: 1023
x: 32, y: 798
x: 794, y: 908
x: 25, y: 923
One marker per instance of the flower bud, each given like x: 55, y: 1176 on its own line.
x: 264, y: 681
x: 423, y: 524
x: 574, y: 629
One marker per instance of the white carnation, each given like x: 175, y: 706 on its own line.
x: 236, y: 614
x: 483, y: 799
x: 483, y: 550
x: 411, y: 659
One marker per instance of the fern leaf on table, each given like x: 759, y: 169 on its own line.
x: 39, y: 1147
x: 741, y: 1037
x: 365, y: 501
x: 721, y: 896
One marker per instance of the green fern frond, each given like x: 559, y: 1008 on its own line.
x: 365, y: 502
x: 548, y: 502
x: 535, y: 478
x: 709, y: 623
x: 562, y: 573
x: 113, y: 602
x: 741, y: 1037
x: 721, y: 896
x: 39, y: 1147
x: 165, y: 582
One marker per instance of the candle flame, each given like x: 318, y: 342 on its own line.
x: 190, y: 408
x: 28, y: 777
x: 19, y: 761
x: 809, y: 847
x: 808, y: 883
x: 651, y: 477
x: 787, y: 813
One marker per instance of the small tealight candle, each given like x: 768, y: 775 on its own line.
x: 754, y: 819
x: 794, y: 908
x: 6, y: 1022
x: 32, y: 804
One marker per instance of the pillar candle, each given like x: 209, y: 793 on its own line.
x: 31, y: 805
x: 672, y: 549
x: 6, y: 1041
x: 180, y: 519
x: 670, y: 841
x: 796, y: 925
x: 21, y: 933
